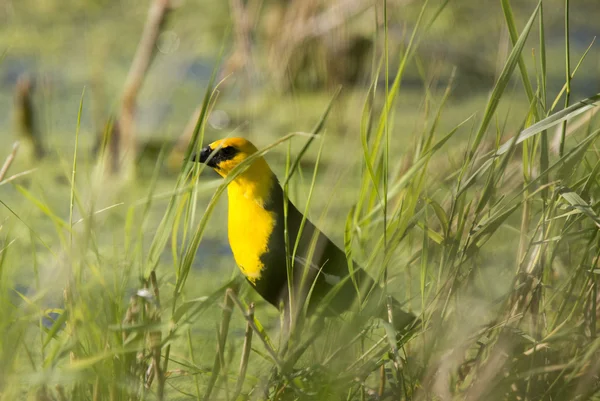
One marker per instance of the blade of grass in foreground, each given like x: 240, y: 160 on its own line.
x: 372, y: 156
x: 499, y: 89
x: 564, y: 88
x: 290, y: 170
x: 566, y: 114
x: 73, y: 176
x: 406, y: 178
x: 563, y: 132
x: 162, y: 232
x: 512, y: 29
x: 530, y: 132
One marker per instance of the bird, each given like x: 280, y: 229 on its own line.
x: 320, y: 276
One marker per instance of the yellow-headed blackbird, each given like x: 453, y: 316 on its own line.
x: 256, y: 231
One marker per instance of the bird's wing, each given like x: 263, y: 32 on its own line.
x: 321, y: 269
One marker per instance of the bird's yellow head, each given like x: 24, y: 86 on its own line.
x: 225, y: 154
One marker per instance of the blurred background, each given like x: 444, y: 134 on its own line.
x: 281, y: 61
x: 278, y: 64
x: 140, y: 69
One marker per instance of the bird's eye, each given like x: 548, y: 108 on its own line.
x: 228, y: 151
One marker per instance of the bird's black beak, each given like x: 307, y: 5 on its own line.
x: 203, y: 156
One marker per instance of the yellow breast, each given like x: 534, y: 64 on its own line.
x: 249, y: 227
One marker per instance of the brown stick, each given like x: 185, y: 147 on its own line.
x: 381, y: 380
x: 25, y: 114
x: 242, y: 25
x: 124, y: 151
x: 250, y: 321
x: 9, y: 160
x: 330, y: 19
x: 260, y: 335
x: 303, y: 22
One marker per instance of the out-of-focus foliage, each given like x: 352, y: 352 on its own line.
x: 494, y: 243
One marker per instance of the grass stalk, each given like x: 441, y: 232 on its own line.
x: 563, y: 131
x: 245, y: 359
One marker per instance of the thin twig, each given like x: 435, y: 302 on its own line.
x: 330, y: 19
x: 245, y: 353
x: 26, y: 114
x: 261, y: 335
x: 381, y: 381
x: 18, y: 175
x: 124, y: 135
x: 250, y: 321
x: 9, y: 161
x: 242, y: 25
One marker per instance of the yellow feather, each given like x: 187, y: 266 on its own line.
x: 250, y: 224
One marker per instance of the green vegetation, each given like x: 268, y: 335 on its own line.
x: 479, y: 211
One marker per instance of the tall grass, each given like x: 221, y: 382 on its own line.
x: 497, y: 254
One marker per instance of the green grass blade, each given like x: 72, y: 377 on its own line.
x: 500, y: 86
x: 570, y: 112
